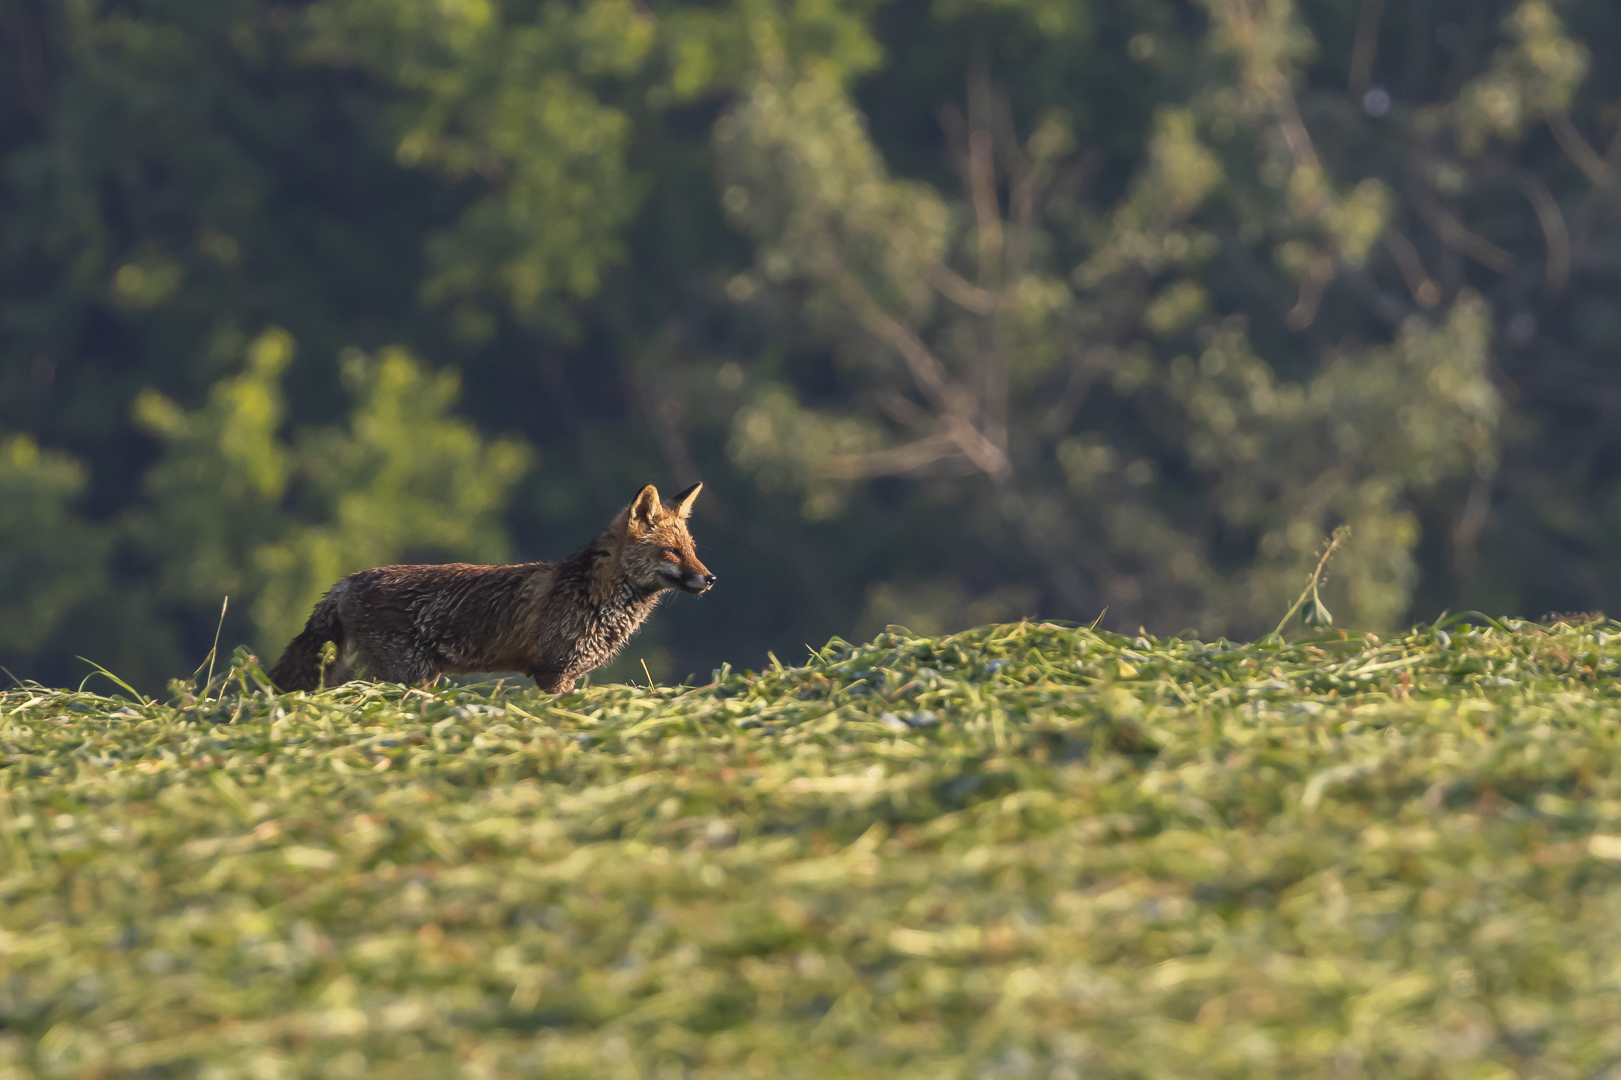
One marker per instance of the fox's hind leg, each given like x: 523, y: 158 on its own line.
x: 399, y: 662
x: 414, y: 668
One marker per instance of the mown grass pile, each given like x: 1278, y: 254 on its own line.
x: 1023, y: 851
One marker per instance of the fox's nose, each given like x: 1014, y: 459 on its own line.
x: 709, y: 579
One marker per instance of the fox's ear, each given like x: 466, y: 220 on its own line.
x: 644, y: 508
x: 681, y: 504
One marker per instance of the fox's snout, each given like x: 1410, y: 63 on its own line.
x: 692, y: 576
x: 697, y: 582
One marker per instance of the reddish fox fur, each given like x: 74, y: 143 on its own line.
x: 552, y: 621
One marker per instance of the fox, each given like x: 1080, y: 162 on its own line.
x: 552, y: 621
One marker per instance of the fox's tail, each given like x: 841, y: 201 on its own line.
x: 300, y: 666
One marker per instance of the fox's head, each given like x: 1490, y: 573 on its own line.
x: 657, y: 551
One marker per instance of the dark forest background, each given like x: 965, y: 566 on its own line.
x: 963, y: 310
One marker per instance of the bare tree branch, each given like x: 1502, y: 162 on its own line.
x: 1580, y: 151
x: 1554, y: 233
x: 1086, y: 373
x: 1364, y: 46
x: 898, y: 461
x: 1382, y: 304
x: 955, y: 404
x: 1423, y: 287
x: 1466, y: 533
x: 1599, y: 193
x: 906, y: 412
x: 987, y: 213
x: 1318, y: 274
x: 965, y: 294
x: 1453, y: 233
x: 928, y: 373
x: 1002, y: 256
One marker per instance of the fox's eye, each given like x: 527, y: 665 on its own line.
x: 672, y: 552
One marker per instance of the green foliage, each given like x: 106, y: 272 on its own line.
x: 1532, y: 76
x: 49, y: 561
x: 219, y: 487
x: 1025, y: 849
x: 405, y: 479
x: 492, y: 95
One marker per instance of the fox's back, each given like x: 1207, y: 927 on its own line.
x: 441, y: 586
x: 466, y: 613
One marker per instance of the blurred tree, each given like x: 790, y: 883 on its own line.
x: 1094, y: 364
x: 1129, y: 442
x: 510, y: 96
x: 49, y: 561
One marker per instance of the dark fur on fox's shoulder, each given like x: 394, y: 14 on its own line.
x: 551, y: 621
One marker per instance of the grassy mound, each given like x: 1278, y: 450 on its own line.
x: 1024, y: 851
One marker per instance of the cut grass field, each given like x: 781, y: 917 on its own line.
x: 1023, y: 851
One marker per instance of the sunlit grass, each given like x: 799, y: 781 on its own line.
x: 1022, y: 851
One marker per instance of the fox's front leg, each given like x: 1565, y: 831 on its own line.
x: 551, y: 681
